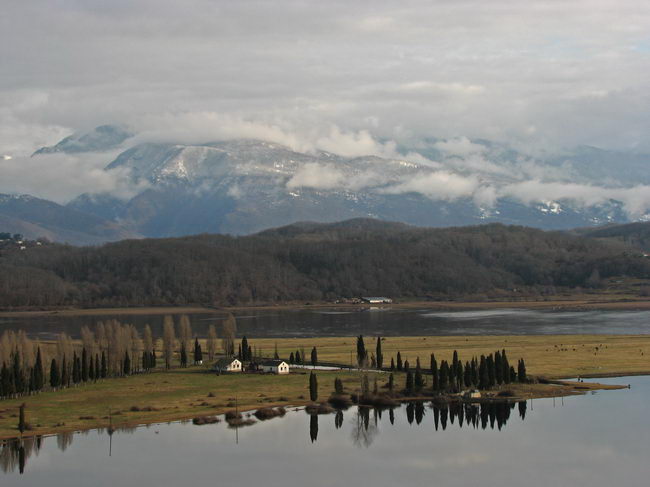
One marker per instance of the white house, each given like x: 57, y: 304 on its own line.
x: 377, y: 300
x: 275, y: 366
x: 227, y: 365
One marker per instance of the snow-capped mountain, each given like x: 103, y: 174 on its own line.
x: 243, y: 186
x: 100, y: 139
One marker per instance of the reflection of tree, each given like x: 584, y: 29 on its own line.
x: 14, y: 452
x: 63, y: 440
x: 364, y: 431
x: 522, y: 409
x: 313, y: 427
x: 338, y: 419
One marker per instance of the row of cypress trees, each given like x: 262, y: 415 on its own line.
x: 482, y: 373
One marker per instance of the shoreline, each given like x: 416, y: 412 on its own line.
x: 556, y: 304
x: 555, y: 388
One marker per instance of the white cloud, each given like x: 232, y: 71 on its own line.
x: 317, y: 176
x: 439, y: 185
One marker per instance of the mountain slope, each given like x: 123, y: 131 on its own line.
x: 35, y: 218
x: 244, y: 186
x: 633, y: 234
x: 100, y: 139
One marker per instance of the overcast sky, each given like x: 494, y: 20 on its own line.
x: 550, y: 73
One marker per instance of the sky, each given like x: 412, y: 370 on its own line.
x: 336, y: 75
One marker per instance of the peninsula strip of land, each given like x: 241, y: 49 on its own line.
x: 183, y: 393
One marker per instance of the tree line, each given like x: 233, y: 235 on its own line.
x: 322, y: 262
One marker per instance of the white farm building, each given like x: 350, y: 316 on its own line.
x: 275, y: 367
x: 227, y: 365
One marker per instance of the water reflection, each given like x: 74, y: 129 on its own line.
x: 15, y: 453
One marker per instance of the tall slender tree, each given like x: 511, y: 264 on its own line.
x: 379, y: 355
x: 313, y: 387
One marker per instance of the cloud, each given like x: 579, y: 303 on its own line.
x: 61, y: 177
x: 317, y: 176
x: 459, y: 146
x: 439, y: 185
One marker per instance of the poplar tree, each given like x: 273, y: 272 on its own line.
x: 243, y: 350
x: 198, y: 353
x: 84, y: 365
x: 399, y: 361
x: 65, y: 377
x: 104, y: 369
x: 379, y: 355
x: 313, y: 387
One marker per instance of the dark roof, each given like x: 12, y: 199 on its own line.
x: 222, y: 362
x: 273, y: 363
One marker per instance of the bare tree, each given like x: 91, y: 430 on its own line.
x: 185, y: 334
x: 169, y: 340
x: 136, y: 346
x: 212, y: 342
x: 229, y: 332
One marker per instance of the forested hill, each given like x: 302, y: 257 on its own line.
x: 632, y: 234
x: 310, y: 262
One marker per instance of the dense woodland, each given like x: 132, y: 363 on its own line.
x: 311, y: 262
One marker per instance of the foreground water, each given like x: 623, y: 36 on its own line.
x: 595, y: 440
x: 386, y: 322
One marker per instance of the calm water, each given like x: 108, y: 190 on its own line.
x: 389, y: 322
x: 601, y: 439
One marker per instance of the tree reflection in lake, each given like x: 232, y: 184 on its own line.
x: 14, y: 453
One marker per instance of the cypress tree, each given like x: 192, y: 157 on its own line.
x: 153, y: 359
x: 84, y: 365
x: 183, y: 357
x: 392, y: 364
x: 314, y: 357
x: 460, y: 376
x: 76, y: 373
x: 55, y: 378
x: 127, y: 364
x: 338, y: 386
x: 19, y: 378
x: 407, y: 366
x: 399, y: 361
x: 39, y: 373
x: 240, y: 356
x: 243, y: 350
x: 104, y: 366
x: 521, y: 371
x: 250, y: 353
x: 489, y: 360
x: 65, y: 377
x: 298, y: 357
x: 443, y: 376
x: 435, y: 385
x: 91, y: 369
x: 313, y: 387
x: 198, y: 353
x: 498, y: 368
x: 513, y: 374
x: 145, y: 360
x: 409, y: 383
x: 391, y: 382
x: 505, y: 367
x: 468, y: 375
x: 276, y: 355
x: 484, y: 378
x: 362, y: 354
x: 292, y: 359
x: 22, y: 423
x: 379, y: 354
x: 418, y: 381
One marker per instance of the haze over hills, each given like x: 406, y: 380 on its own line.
x: 243, y: 186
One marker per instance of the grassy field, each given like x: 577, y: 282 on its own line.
x: 546, y: 355
x: 187, y: 393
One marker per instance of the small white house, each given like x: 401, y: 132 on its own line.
x: 275, y: 366
x: 377, y: 300
x: 227, y: 365
x: 473, y: 394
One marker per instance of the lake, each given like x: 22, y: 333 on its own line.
x: 601, y: 439
x: 387, y: 322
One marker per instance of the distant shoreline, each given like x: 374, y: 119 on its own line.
x: 581, y: 304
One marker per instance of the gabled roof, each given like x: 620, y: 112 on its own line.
x: 223, y: 362
x: 273, y: 363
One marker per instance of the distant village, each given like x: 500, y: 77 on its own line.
x: 16, y: 241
